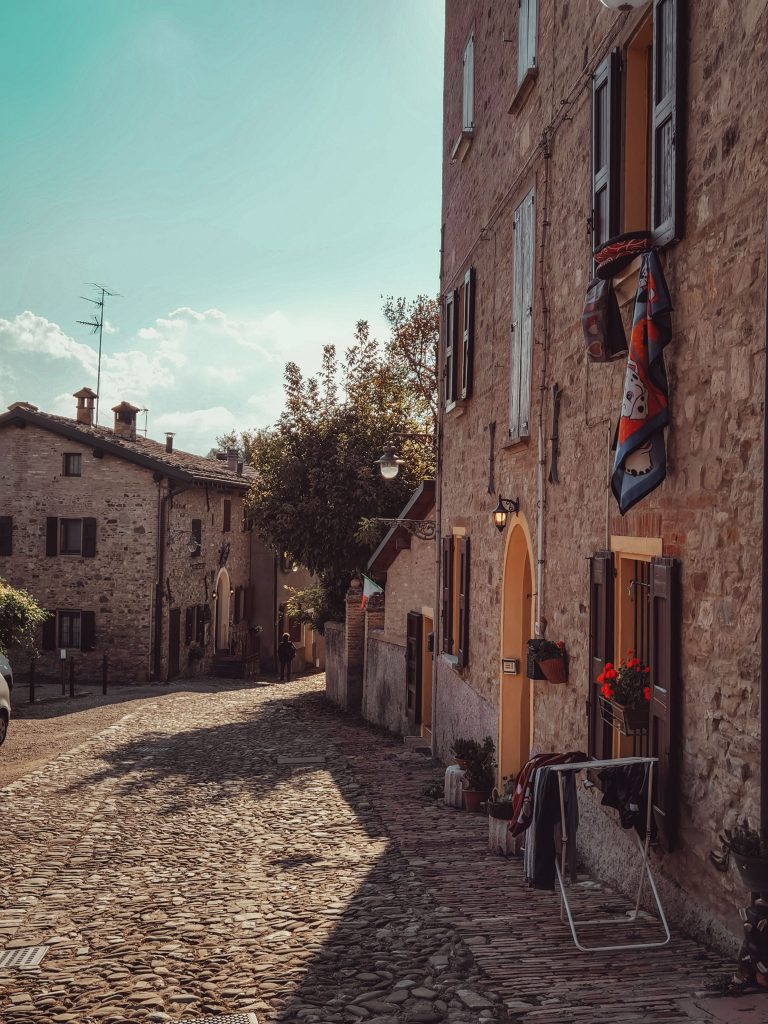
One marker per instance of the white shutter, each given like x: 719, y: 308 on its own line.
x: 468, y: 112
x: 526, y: 37
x: 522, y: 321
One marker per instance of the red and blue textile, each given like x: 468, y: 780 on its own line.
x: 640, y: 464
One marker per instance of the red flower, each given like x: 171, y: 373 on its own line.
x: 609, y: 664
x: 647, y: 693
x: 607, y: 691
x: 646, y: 670
x: 610, y: 673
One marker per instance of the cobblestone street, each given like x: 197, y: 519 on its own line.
x: 177, y: 868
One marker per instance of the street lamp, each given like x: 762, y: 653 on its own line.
x: 500, y: 514
x: 389, y: 464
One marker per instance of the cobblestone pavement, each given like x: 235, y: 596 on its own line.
x: 177, y: 868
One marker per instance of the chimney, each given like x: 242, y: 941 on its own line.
x: 239, y: 467
x: 85, y: 399
x: 125, y: 420
x: 169, y: 441
x: 232, y: 459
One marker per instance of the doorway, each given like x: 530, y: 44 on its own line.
x: 515, y: 689
x: 427, y: 643
x: 413, y: 670
x: 223, y: 587
x: 174, y: 641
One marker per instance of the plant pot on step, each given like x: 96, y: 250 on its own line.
x: 473, y: 798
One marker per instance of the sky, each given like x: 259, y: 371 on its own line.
x: 250, y: 175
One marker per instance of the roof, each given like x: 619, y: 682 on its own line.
x: 419, y: 505
x: 142, y: 451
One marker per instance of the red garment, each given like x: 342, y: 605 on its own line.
x: 522, y: 798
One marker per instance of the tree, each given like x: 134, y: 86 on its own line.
x: 20, y: 618
x: 317, y: 476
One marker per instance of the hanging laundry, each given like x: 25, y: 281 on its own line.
x: 601, y: 322
x: 640, y: 463
x: 625, y: 788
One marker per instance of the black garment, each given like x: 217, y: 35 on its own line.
x: 285, y: 652
x: 546, y: 826
x: 625, y: 787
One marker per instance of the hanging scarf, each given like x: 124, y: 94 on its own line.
x: 640, y: 464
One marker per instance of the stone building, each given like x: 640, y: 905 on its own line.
x: 566, y: 125
x: 139, y: 551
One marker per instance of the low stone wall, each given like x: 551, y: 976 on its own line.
x: 461, y: 711
x: 384, y: 684
x: 335, y: 666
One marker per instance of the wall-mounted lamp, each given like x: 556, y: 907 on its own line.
x: 500, y: 514
x: 389, y: 464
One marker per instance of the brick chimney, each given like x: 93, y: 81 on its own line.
x: 125, y: 420
x: 232, y: 459
x: 85, y: 399
x: 169, y: 441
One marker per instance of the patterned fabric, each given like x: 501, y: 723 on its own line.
x: 601, y: 322
x: 640, y: 463
x: 617, y: 253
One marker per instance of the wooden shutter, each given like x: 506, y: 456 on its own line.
x: 463, y: 638
x: 6, y: 535
x: 52, y: 536
x: 668, y: 121
x: 447, y: 609
x: 469, y: 332
x: 87, y: 631
x: 600, y: 647
x: 227, y: 525
x: 189, y: 625
x: 468, y: 91
x: 414, y: 626
x: 49, y: 632
x: 526, y: 37
x: 89, y: 538
x: 522, y: 321
x: 665, y: 692
x: 606, y: 154
x: 451, y: 337
x: 197, y: 535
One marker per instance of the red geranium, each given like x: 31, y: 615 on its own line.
x: 628, y: 684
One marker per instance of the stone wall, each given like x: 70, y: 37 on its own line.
x: 384, y: 684
x: 410, y: 587
x: 708, y: 511
x: 461, y: 712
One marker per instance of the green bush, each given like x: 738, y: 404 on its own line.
x: 20, y: 618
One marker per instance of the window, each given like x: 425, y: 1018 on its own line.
x: 455, y: 593
x: 638, y: 131
x: 459, y: 326
x: 468, y: 83
x: 71, y: 536
x: 69, y: 629
x: 526, y: 39
x: 294, y: 630
x: 6, y: 535
x: 72, y: 464
x: 522, y: 321
x: 227, y: 523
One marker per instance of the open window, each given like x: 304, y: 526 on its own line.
x: 464, y: 141
x: 455, y: 598
x: 459, y: 339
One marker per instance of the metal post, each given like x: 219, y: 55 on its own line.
x: 71, y: 677
x: 63, y: 677
x: 32, y: 680
x: 104, y: 672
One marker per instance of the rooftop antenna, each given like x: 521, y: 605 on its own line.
x: 97, y: 324
x: 146, y: 418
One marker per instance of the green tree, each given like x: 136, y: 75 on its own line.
x: 20, y: 618
x: 317, y: 477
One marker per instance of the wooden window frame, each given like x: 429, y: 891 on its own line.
x: 70, y: 461
x: 527, y: 31
x: 521, y: 343
x: 468, y: 85
x: 450, y: 345
x: 64, y: 524
x: 73, y: 621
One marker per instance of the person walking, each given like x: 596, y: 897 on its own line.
x: 285, y: 652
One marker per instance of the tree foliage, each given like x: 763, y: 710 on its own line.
x: 317, y: 476
x: 20, y: 618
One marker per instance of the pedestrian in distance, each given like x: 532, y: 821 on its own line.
x: 285, y: 652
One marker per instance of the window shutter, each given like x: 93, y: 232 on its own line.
x: 606, y: 156
x: 52, y: 536
x: 668, y: 121
x: 448, y: 594
x: 451, y: 337
x: 469, y: 332
x: 89, y: 538
x: 468, y: 108
x: 197, y: 535
x: 189, y: 625
x: 49, y: 632
x: 227, y: 525
x: 6, y: 535
x: 600, y: 647
x: 463, y: 637
x: 87, y: 631
x: 522, y: 321
x: 526, y: 37
x: 665, y: 686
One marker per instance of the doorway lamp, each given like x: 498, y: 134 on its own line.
x: 389, y: 464
x: 500, y: 514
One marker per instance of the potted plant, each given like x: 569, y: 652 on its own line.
x: 480, y: 772
x: 750, y: 851
x: 461, y: 752
x: 626, y: 694
x: 547, y: 660
x: 500, y: 804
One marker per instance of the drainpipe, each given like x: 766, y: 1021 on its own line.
x: 764, y: 588
x: 276, y: 624
x: 162, y: 518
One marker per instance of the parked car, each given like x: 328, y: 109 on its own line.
x: 6, y: 685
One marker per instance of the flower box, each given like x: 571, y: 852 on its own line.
x: 628, y: 721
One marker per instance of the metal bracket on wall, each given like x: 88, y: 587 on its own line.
x: 424, y: 529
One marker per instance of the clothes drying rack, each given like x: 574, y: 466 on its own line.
x: 645, y: 867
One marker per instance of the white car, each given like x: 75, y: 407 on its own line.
x: 6, y: 685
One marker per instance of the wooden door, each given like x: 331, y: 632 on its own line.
x: 174, y: 640
x: 413, y: 668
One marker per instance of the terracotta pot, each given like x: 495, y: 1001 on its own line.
x: 555, y: 670
x: 473, y: 798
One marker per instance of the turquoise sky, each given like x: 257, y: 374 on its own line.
x: 250, y: 175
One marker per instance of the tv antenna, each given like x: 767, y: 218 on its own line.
x: 97, y: 324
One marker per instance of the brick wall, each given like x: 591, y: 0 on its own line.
x: 708, y: 511
x: 410, y: 587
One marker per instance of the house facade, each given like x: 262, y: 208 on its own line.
x: 140, y: 552
x: 565, y: 126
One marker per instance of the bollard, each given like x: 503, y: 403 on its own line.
x: 104, y: 671
x: 32, y: 680
x: 63, y: 676
x: 71, y: 677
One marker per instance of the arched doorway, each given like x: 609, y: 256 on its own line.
x: 516, y: 692
x: 223, y: 587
